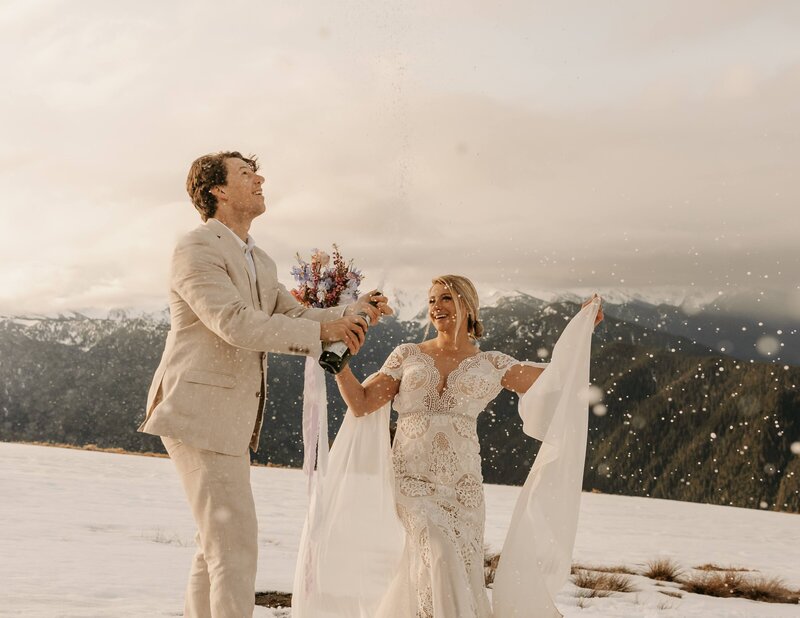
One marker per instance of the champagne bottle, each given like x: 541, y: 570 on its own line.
x: 336, y: 355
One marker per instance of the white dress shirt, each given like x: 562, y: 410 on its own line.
x: 247, y: 248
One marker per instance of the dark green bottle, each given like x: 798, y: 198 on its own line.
x: 336, y: 355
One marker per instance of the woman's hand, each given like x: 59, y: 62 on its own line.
x: 600, y: 316
x: 374, y: 304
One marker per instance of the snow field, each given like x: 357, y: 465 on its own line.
x: 89, y: 534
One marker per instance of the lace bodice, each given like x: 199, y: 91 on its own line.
x: 467, y: 390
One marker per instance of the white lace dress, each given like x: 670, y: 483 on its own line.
x: 439, y: 485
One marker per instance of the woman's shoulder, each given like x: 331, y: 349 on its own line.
x: 401, y: 352
x: 393, y: 366
x: 404, y: 349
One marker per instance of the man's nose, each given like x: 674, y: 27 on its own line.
x: 259, y: 179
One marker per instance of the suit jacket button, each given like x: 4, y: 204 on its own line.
x: 258, y: 394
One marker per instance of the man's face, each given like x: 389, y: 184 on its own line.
x: 242, y: 191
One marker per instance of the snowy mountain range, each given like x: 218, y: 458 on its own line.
x: 729, y: 324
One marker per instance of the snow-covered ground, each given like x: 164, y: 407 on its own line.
x: 88, y: 534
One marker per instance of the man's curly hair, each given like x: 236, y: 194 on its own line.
x: 207, y: 172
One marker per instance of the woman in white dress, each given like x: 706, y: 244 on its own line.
x: 439, y: 388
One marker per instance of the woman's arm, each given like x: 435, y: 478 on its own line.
x: 366, y: 398
x: 519, y: 378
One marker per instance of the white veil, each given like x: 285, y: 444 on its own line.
x: 352, y: 540
x: 537, y: 554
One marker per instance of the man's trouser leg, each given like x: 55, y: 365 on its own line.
x: 223, y: 573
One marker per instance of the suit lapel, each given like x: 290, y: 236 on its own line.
x: 267, y: 279
x: 263, y: 283
x: 235, y: 255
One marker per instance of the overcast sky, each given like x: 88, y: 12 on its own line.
x: 529, y: 145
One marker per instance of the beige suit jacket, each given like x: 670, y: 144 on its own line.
x: 206, y: 390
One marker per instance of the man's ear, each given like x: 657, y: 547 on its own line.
x: 217, y: 191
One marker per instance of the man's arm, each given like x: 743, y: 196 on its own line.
x: 373, y: 304
x: 200, y: 277
x: 288, y: 305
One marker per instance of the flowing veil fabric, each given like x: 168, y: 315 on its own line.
x: 537, y: 554
x: 352, y: 540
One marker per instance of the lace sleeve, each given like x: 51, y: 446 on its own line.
x: 502, y: 362
x: 393, y: 367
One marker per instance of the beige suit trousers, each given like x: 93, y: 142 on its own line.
x: 223, y: 573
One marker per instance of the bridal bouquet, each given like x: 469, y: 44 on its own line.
x: 321, y: 283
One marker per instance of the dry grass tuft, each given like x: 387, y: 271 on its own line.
x: 591, y: 594
x: 733, y: 584
x: 274, y: 599
x: 713, y: 580
x: 715, y: 567
x: 602, y: 584
x: 769, y: 590
x: 715, y: 584
x: 490, y: 562
x: 601, y: 569
x: 663, y: 569
x: 93, y: 447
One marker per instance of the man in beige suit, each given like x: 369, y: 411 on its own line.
x: 227, y: 310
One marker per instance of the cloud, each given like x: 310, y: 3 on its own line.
x: 559, y: 159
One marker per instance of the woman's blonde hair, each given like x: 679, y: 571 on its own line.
x: 466, y: 297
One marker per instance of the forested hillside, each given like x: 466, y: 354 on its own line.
x: 677, y: 420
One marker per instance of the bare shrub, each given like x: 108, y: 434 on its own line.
x: 663, y: 569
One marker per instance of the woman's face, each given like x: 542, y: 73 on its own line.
x: 442, y: 308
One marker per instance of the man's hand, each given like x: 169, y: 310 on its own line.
x: 351, y: 329
x: 600, y: 316
x: 373, y: 303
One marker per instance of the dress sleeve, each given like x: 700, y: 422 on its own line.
x: 393, y: 367
x: 502, y: 363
